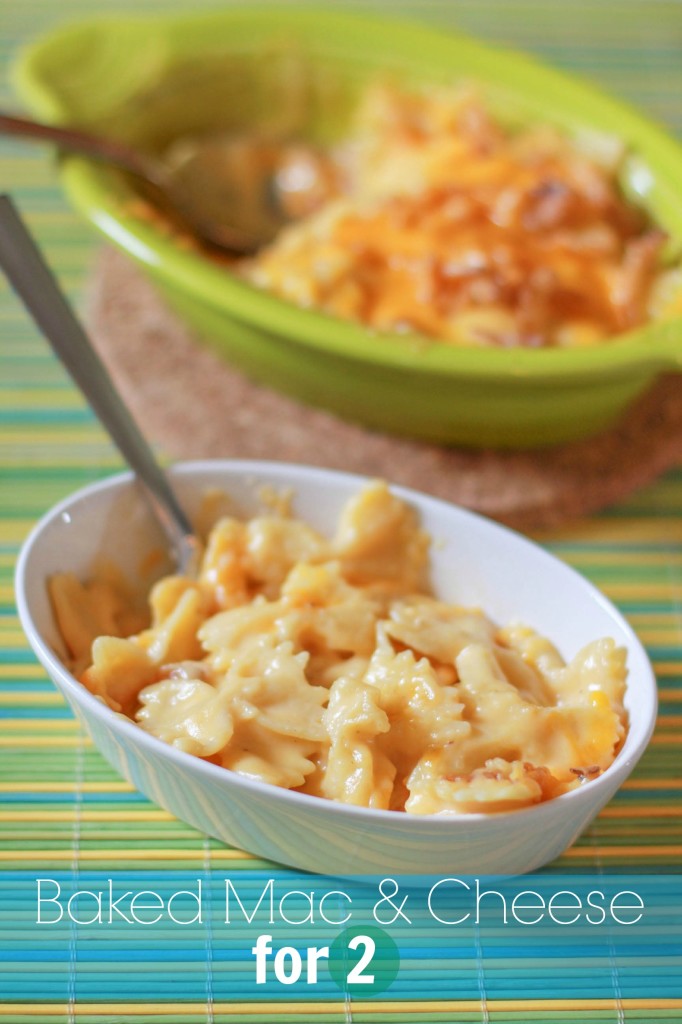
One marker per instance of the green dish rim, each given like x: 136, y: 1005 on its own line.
x: 652, y: 348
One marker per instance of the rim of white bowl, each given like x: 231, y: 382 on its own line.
x: 251, y: 467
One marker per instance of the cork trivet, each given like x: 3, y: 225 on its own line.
x: 194, y: 405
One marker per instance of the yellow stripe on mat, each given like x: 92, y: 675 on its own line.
x: 78, y: 813
x: 668, y: 668
x: 116, y: 786
x: 290, y: 1008
x: 27, y: 725
x: 42, y: 856
x: 49, y: 698
x: 652, y: 784
x: 45, y: 741
x: 588, y: 852
x: 635, y: 811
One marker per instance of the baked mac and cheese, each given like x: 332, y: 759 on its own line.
x: 450, y: 225
x: 328, y: 667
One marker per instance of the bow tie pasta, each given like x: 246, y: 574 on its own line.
x: 328, y: 667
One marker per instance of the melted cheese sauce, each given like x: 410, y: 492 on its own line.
x: 328, y: 667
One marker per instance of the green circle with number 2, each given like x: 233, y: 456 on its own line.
x: 364, y: 960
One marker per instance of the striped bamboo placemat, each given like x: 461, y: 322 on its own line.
x: 63, y: 810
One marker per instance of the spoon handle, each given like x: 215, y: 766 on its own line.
x: 40, y: 292
x: 75, y: 141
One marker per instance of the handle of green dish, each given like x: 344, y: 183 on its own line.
x: 38, y: 289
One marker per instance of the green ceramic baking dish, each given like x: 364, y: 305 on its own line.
x: 149, y: 79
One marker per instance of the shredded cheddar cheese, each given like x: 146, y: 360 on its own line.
x: 453, y: 227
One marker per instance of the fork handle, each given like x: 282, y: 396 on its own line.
x: 38, y: 289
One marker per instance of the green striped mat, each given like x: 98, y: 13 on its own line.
x: 62, y: 807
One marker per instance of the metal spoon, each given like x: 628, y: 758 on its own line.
x: 232, y: 192
x: 40, y: 292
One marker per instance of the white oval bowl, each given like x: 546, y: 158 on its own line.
x: 475, y: 562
